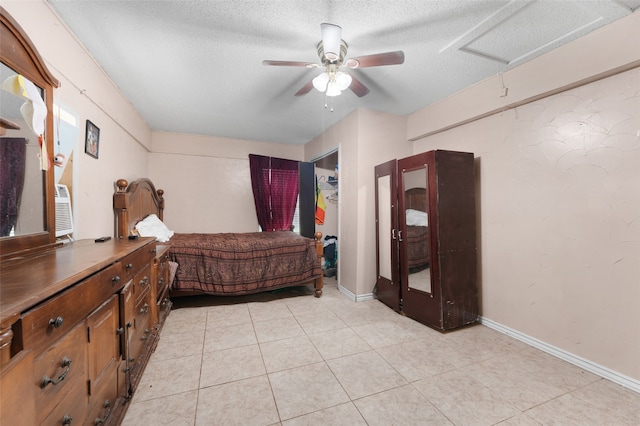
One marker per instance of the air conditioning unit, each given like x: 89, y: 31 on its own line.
x: 64, y: 217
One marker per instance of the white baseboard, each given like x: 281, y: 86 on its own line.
x: 363, y: 297
x: 347, y: 293
x: 585, y: 364
x: 355, y: 297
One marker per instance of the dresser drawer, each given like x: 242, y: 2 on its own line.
x: 59, y: 369
x: 47, y: 322
x: 143, y: 329
x: 104, y: 400
x: 72, y: 410
x: 18, y: 407
x: 142, y: 283
x: 132, y: 263
x: 162, y: 271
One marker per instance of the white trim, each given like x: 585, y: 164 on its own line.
x: 353, y: 297
x: 326, y: 154
x: 585, y: 364
x: 346, y: 291
x: 364, y: 297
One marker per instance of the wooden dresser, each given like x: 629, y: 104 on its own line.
x: 77, y: 326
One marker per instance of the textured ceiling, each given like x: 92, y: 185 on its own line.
x: 196, y: 66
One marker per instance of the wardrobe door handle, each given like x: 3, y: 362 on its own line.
x: 400, y: 236
x: 393, y: 234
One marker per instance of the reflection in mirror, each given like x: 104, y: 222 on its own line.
x: 21, y: 180
x: 384, y: 225
x: 417, y: 228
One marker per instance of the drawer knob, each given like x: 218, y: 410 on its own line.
x: 115, y: 279
x: 107, y: 406
x: 66, y: 420
x: 119, y: 331
x: 144, y: 309
x: 66, y: 363
x: 57, y: 323
x: 145, y: 334
x: 129, y: 265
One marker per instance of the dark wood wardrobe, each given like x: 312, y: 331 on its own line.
x: 426, y: 254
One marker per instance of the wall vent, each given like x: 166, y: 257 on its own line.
x: 64, y: 217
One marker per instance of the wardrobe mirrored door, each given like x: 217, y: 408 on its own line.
x: 387, y: 283
x: 416, y: 234
x: 418, y: 269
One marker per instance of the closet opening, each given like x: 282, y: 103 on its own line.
x: 327, y: 217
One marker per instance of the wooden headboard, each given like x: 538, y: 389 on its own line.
x: 415, y: 198
x: 133, y: 202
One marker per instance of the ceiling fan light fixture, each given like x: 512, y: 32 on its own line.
x: 343, y: 80
x: 331, y: 36
x: 333, y: 89
x: 320, y: 82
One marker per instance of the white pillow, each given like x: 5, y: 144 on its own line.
x: 152, y: 226
x: 416, y: 218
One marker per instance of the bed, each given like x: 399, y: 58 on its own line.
x: 417, y: 235
x: 224, y: 264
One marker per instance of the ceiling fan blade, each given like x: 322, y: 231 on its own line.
x: 290, y: 64
x: 357, y: 87
x: 305, y: 89
x: 379, y: 59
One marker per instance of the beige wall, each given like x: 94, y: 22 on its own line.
x: 124, y: 136
x: 342, y: 135
x: 207, y: 182
x: 558, y: 208
x: 558, y: 197
x: 366, y: 138
x: 381, y: 138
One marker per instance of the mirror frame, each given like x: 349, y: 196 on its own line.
x: 19, y: 53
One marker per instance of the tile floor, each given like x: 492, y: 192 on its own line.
x: 298, y: 360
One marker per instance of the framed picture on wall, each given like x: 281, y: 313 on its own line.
x: 92, y: 140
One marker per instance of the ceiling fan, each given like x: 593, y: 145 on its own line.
x: 332, y: 51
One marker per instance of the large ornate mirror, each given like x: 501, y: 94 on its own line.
x: 26, y: 190
x: 416, y: 236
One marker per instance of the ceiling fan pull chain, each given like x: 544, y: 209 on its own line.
x: 327, y: 103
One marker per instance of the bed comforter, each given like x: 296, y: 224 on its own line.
x: 242, y: 263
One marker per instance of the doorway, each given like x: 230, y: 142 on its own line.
x: 327, y: 173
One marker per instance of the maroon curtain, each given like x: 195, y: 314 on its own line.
x: 275, y: 191
x: 284, y: 192
x: 260, y: 183
x: 13, y: 156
